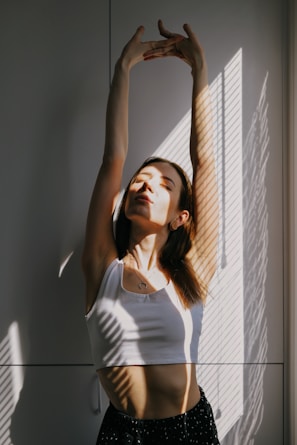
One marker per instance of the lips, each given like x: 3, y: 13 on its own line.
x: 143, y: 198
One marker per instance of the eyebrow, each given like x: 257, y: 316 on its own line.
x: 167, y: 178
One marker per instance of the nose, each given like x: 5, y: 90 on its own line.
x: 147, y: 185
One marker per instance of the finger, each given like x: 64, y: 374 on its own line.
x: 171, y: 53
x: 139, y: 33
x: 163, y: 31
x: 158, y: 56
x: 159, y: 52
x: 170, y: 42
x: 192, y: 36
x: 188, y: 30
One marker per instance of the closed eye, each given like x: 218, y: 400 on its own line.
x: 140, y: 178
x: 137, y: 180
x: 167, y: 187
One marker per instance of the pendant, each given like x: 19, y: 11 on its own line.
x: 142, y: 285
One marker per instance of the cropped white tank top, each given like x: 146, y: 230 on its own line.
x: 127, y: 328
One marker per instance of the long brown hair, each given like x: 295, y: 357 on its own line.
x: 173, y: 255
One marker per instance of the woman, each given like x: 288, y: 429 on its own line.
x: 146, y: 285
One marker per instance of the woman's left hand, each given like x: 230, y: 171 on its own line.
x: 186, y: 48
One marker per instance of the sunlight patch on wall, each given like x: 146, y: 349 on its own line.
x: 222, y: 341
x: 255, y: 231
x: 64, y: 263
x: 11, y: 379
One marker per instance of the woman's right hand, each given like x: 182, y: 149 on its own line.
x: 135, y: 50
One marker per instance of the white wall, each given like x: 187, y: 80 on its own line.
x: 56, y: 59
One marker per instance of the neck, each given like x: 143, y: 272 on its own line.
x: 145, y: 253
x: 145, y: 247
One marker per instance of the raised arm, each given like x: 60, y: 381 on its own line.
x: 205, y: 193
x: 99, y: 247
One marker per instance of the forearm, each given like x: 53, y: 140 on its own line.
x: 116, y: 143
x: 201, y: 139
x: 116, y: 138
x: 205, y: 190
x: 99, y: 240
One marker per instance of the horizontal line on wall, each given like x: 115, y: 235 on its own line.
x: 45, y: 364
x: 90, y: 364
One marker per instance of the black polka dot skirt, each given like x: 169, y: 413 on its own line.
x: 196, y: 426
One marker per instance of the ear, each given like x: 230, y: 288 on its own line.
x: 180, y: 220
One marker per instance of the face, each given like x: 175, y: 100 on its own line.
x: 153, y: 195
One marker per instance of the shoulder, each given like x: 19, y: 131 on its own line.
x: 96, y: 278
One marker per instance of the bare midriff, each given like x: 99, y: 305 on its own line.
x: 151, y: 392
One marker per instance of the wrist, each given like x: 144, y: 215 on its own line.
x: 123, y: 62
x: 199, y: 67
x: 200, y: 73
x: 122, y: 66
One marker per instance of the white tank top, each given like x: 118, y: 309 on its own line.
x: 128, y: 328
